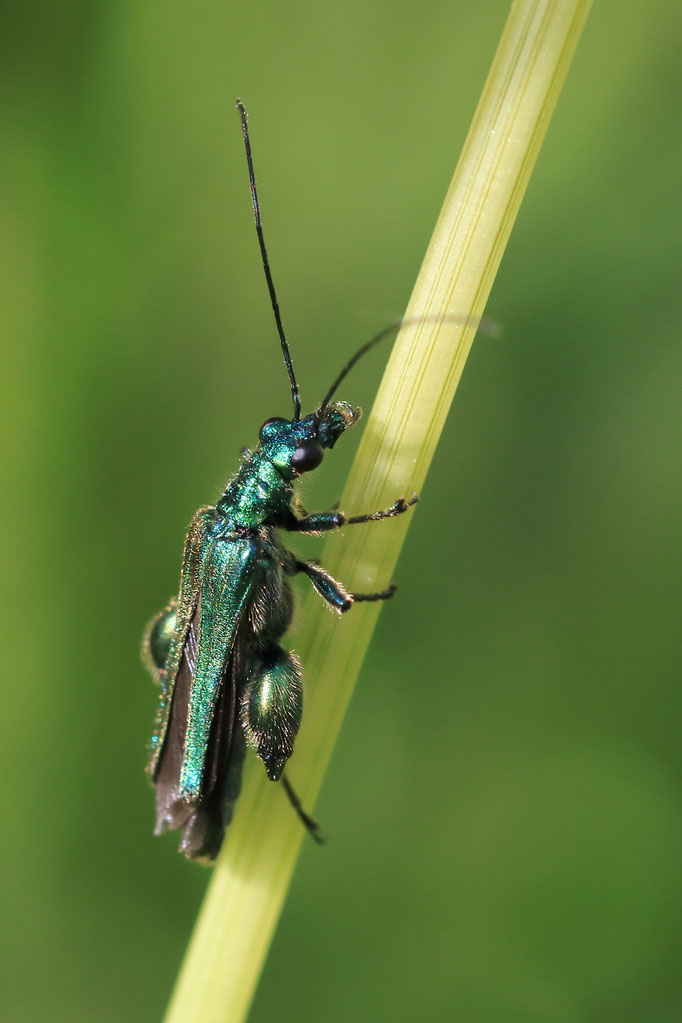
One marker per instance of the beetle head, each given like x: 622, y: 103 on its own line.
x: 297, y: 446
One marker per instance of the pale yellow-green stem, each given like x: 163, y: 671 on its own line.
x: 251, y: 878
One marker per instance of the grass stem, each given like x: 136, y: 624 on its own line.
x: 250, y: 881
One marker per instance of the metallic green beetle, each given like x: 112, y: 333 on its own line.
x: 214, y: 650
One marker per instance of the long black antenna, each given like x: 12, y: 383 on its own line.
x: 266, y: 265
x: 487, y: 326
x: 393, y: 328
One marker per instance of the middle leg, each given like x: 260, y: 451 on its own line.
x: 334, y: 592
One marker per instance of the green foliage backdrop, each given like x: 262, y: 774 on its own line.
x: 504, y: 804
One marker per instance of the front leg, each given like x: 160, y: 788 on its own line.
x: 334, y: 592
x: 321, y: 522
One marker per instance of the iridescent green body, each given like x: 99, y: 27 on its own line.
x: 225, y: 681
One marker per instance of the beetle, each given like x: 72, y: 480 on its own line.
x: 225, y: 681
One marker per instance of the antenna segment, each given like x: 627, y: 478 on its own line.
x: 266, y: 265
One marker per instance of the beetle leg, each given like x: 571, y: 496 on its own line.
x: 157, y: 639
x: 321, y: 522
x: 271, y: 714
x: 380, y: 595
x: 309, y: 823
x: 318, y: 522
x: 334, y: 592
x: 330, y: 589
x: 397, y: 508
x: 272, y: 705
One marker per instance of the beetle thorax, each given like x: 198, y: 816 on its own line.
x: 256, y: 494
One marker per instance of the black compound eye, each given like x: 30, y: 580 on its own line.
x: 269, y: 427
x: 307, y: 457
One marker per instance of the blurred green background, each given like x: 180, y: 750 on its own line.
x: 504, y: 803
